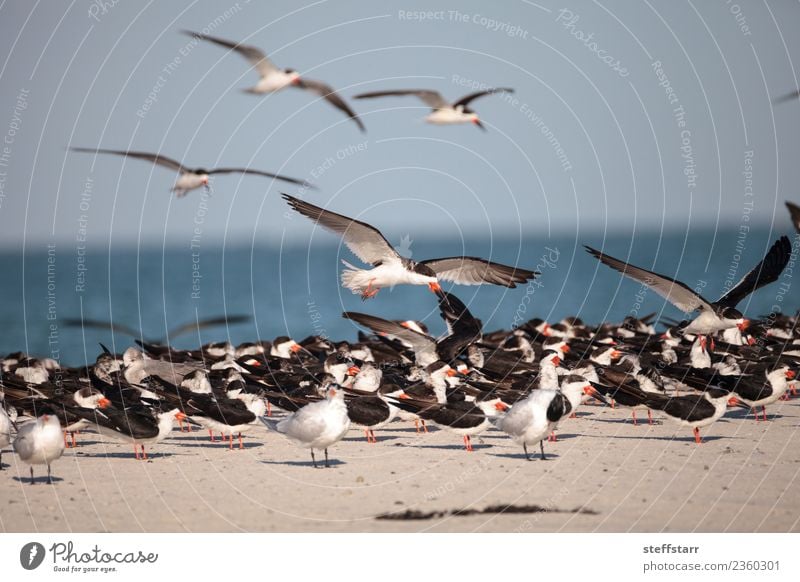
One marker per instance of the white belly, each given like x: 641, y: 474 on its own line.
x: 187, y: 182
x: 447, y: 116
x: 707, y: 323
x: 274, y: 82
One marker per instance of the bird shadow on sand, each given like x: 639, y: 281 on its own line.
x: 431, y: 429
x: 535, y: 456
x: 218, y: 445
x: 380, y: 438
x: 677, y: 439
x: 459, y: 447
x: 38, y: 480
x: 150, y: 456
x: 320, y: 463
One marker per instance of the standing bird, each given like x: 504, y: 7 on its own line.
x: 274, y: 79
x: 444, y: 113
x: 389, y: 268
x: 716, y: 316
x: 189, y: 178
x: 5, y: 431
x: 40, y: 442
x: 317, y: 425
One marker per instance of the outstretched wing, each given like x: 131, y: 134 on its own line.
x: 332, y: 97
x: 433, y: 99
x: 788, y: 97
x: 365, y: 241
x: 475, y: 271
x: 158, y: 159
x: 466, y: 99
x: 764, y: 273
x: 673, y: 291
x: 423, y: 345
x: 254, y: 55
x: 794, y: 211
x: 259, y: 173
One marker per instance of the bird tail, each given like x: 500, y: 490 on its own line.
x: 270, y: 423
x: 354, y: 278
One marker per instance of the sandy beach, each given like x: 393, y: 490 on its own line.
x: 603, y: 474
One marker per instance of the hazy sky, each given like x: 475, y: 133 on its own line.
x: 654, y: 114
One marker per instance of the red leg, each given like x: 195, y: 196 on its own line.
x: 613, y: 404
x: 416, y: 425
x: 269, y: 408
x: 649, y: 417
x: 764, y: 411
x: 144, y: 453
x: 230, y: 442
x: 241, y: 446
x: 366, y: 434
x: 211, y: 434
x: 136, y: 451
x: 697, y: 438
x: 424, y: 426
x: 755, y: 411
x: 633, y: 414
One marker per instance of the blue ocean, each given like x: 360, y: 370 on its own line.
x: 295, y: 291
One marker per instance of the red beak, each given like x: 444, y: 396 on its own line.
x: 435, y: 287
x: 790, y: 374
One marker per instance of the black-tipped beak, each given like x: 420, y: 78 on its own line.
x: 592, y: 391
x: 479, y: 124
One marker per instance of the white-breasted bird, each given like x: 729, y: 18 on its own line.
x: 40, y: 442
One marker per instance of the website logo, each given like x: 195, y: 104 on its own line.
x: 31, y: 555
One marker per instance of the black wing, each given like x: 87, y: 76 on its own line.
x: 332, y: 97
x: 765, y: 272
x: 260, y: 173
x: 157, y: 159
x: 794, y: 211
x: 466, y: 99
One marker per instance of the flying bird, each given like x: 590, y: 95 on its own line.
x: 190, y: 326
x: 189, y: 178
x: 390, y: 269
x: 444, y: 113
x: 794, y: 95
x: 721, y: 314
x: 274, y: 79
x: 794, y: 212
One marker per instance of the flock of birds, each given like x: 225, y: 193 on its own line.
x: 523, y: 382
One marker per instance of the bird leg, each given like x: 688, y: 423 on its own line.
x: 372, y: 434
x: 211, y: 434
x: 416, y: 425
x: 230, y: 442
x: 424, y: 426
x: 32, y: 481
x: 326, y: 459
x: 633, y: 414
x: 764, y: 412
x: 241, y: 446
x: 468, y: 443
x: 366, y: 434
x: 649, y: 417
x: 136, y: 451
x: 525, y: 448
x: 49, y: 478
x: 74, y: 443
x: 369, y: 292
x: 269, y: 408
x: 313, y: 460
x: 697, y: 438
x: 755, y: 411
x: 541, y: 448
x: 552, y: 438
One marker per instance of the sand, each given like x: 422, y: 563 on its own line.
x: 621, y: 477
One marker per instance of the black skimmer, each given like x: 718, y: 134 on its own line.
x: 458, y: 415
x: 189, y: 178
x: 317, y: 425
x: 274, y: 79
x: 444, y: 112
x: 40, y: 442
x: 535, y: 418
x: 5, y: 430
x: 794, y: 212
x: 793, y: 96
x: 190, y: 326
x: 716, y: 316
x: 390, y: 269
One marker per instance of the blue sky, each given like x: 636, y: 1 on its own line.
x: 652, y: 115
